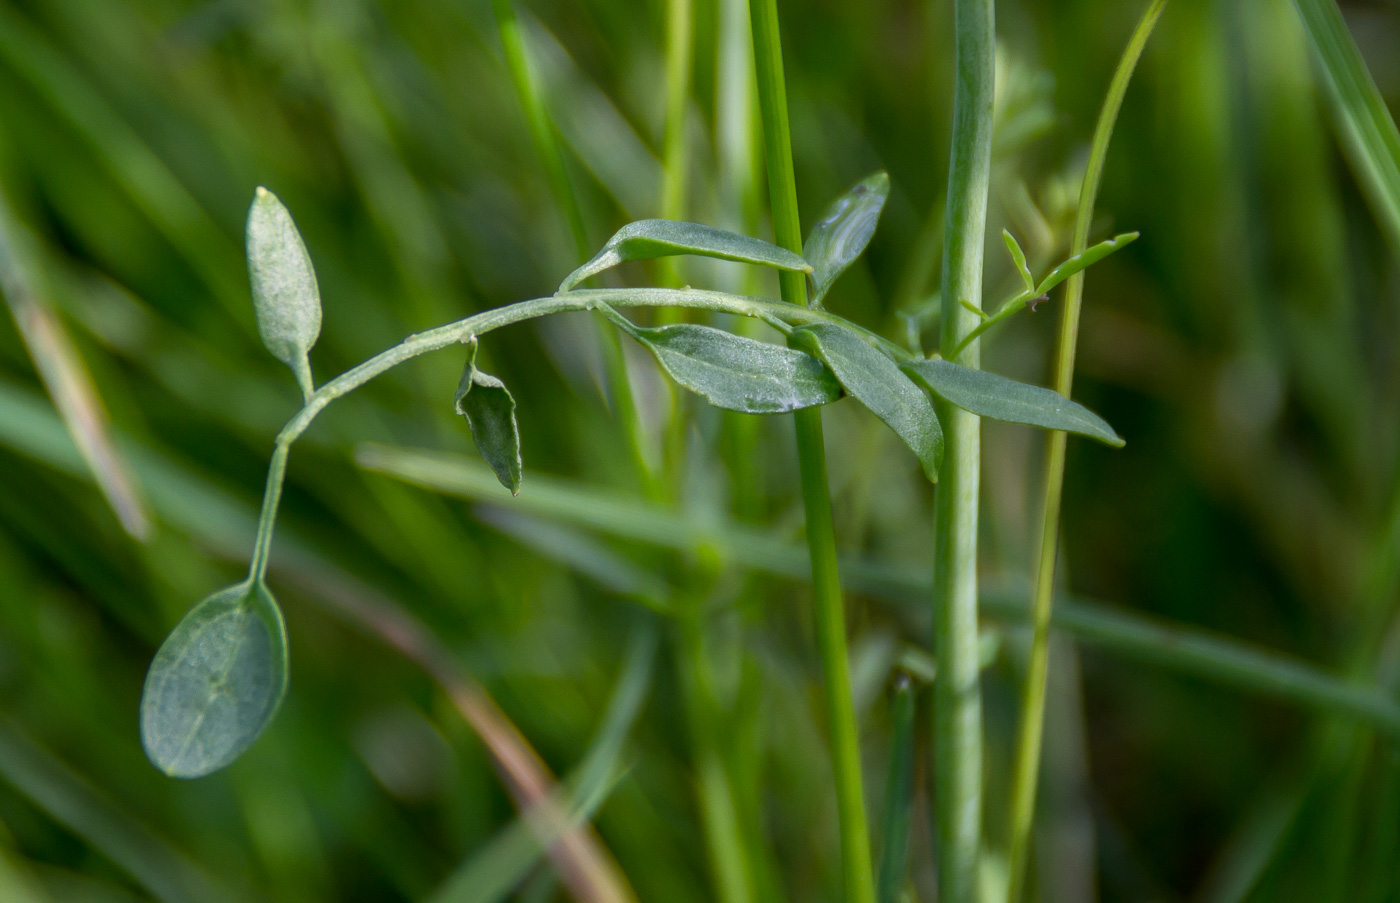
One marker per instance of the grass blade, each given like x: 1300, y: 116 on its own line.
x: 1367, y: 128
x: 66, y: 379
x: 899, y: 797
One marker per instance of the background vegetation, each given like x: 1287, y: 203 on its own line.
x: 1245, y: 347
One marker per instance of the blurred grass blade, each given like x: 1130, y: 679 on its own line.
x: 652, y: 238
x: 1365, y: 123
x: 53, y: 787
x: 493, y: 872
x: 899, y: 797
x: 150, y: 185
x: 870, y: 376
x: 65, y: 378
x: 1176, y: 647
x: 989, y: 395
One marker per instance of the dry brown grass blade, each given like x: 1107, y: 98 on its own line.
x: 66, y: 379
x: 583, y: 862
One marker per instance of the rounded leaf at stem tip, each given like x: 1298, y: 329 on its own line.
x: 285, y: 295
x: 215, y: 682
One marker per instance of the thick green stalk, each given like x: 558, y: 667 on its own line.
x: 957, y: 710
x: 1027, y: 766
x: 857, y: 879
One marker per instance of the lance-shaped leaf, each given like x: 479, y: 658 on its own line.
x: 989, y: 395
x: 216, y: 682
x: 733, y: 372
x: 649, y: 238
x: 1018, y: 257
x: 868, y: 374
x: 843, y: 232
x: 1085, y: 258
x: 490, y: 411
x: 285, y: 296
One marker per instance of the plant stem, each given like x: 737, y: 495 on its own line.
x: 857, y: 879
x: 1027, y: 766
x: 957, y: 721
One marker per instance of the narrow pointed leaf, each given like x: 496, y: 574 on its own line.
x: 989, y: 395
x: 215, y: 683
x: 844, y: 231
x: 650, y: 238
x: 285, y: 295
x: 1083, y: 260
x: 1018, y: 257
x: 490, y: 411
x: 733, y: 372
x: 866, y: 373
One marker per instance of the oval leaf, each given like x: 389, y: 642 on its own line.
x: 877, y: 381
x: 989, y: 395
x: 1086, y: 258
x: 733, y: 372
x: 215, y: 683
x: 490, y: 411
x: 285, y: 296
x: 649, y: 238
x: 843, y: 232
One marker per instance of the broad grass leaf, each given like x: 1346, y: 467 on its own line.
x: 733, y: 372
x: 868, y: 374
x: 490, y: 411
x: 285, y: 295
x: 215, y: 683
x: 989, y: 395
x: 844, y: 231
x: 1086, y: 258
x: 650, y: 238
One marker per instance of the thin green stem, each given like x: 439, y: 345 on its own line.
x: 857, y: 879
x: 267, y: 517
x: 957, y: 721
x: 1027, y: 765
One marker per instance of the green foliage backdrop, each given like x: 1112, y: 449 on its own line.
x: 1245, y: 347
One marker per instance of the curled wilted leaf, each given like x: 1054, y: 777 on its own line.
x: 490, y: 411
x: 733, y: 372
x: 989, y: 395
x: 285, y: 295
x: 649, y: 238
x: 869, y: 375
x: 216, y: 682
x: 844, y: 231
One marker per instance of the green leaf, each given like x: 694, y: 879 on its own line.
x: 285, y: 296
x: 490, y: 411
x: 1018, y: 257
x: 650, y: 238
x: 866, y: 373
x: 215, y: 683
x: 843, y: 232
x: 989, y: 395
x: 1086, y: 258
x: 733, y: 372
